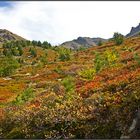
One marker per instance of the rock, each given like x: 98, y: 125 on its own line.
x: 134, y: 31
x: 134, y: 129
x: 59, y: 79
x: 7, y: 78
x: 82, y: 41
x: 36, y: 75
x: 28, y: 74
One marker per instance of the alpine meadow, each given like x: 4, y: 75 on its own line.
x: 85, y: 88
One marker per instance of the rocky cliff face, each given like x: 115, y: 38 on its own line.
x: 134, y: 31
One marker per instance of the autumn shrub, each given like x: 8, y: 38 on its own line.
x: 56, y: 118
x: 111, y: 57
x: 88, y: 73
x: 106, y: 59
x: 104, y: 115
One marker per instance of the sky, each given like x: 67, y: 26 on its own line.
x: 60, y: 21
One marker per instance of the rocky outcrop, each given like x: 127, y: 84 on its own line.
x: 134, y: 31
x: 134, y: 130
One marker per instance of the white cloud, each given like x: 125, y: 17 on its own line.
x: 61, y: 21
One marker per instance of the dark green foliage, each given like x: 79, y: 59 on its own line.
x: 82, y: 48
x: 118, y: 38
x: 8, y: 65
x: 39, y: 44
x: 7, y: 45
x: 34, y: 43
x: 15, y: 47
x: 20, y: 50
x: 25, y: 96
x: 98, y: 62
x: 64, y: 54
x: 28, y: 42
x: 14, y: 51
x: 33, y: 52
x: 20, y: 60
x: 68, y: 83
x: 7, y: 52
x: 46, y: 45
x: 100, y: 43
x: 24, y: 43
x: 17, y: 43
x: 137, y: 58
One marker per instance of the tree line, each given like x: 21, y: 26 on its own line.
x: 16, y: 47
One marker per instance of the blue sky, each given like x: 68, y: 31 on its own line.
x: 60, y: 21
x: 5, y: 4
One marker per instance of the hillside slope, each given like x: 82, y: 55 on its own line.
x: 61, y: 93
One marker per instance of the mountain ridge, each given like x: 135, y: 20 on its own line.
x: 6, y: 35
x: 83, y: 42
x: 134, y: 31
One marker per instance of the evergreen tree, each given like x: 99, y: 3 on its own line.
x: 39, y: 44
x: 118, y: 38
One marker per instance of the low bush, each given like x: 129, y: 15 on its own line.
x: 25, y: 96
x: 108, y: 58
x: 64, y: 54
x: 88, y: 73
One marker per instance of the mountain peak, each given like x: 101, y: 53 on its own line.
x: 134, y: 31
x: 6, y: 35
x: 82, y: 42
